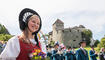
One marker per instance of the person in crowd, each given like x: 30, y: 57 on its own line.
x: 73, y: 50
x: 102, y: 54
x: 49, y: 54
x: 61, y: 53
x: 93, y: 55
x: 1, y: 48
x: 20, y: 47
x: 4, y: 44
x: 69, y: 55
x: 55, y: 52
x: 81, y: 53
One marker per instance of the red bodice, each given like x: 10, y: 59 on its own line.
x: 25, y: 50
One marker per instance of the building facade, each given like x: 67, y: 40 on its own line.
x: 67, y: 36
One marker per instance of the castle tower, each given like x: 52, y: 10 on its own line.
x: 58, y: 26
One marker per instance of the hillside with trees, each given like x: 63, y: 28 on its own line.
x: 4, y: 33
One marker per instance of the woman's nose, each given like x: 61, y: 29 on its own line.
x: 36, y: 25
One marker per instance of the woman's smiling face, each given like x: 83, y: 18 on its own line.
x: 34, y: 23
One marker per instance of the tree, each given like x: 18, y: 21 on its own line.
x: 4, y: 34
x: 3, y: 30
x: 87, y: 35
x: 5, y: 37
x: 96, y: 43
x: 101, y: 44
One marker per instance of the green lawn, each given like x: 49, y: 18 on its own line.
x: 88, y: 48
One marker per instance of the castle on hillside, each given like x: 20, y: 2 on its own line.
x: 67, y: 36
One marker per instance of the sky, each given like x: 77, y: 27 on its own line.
x: 90, y: 13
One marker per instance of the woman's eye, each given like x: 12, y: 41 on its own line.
x: 38, y: 23
x: 33, y: 21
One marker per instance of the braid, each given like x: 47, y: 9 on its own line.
x: 36, y: 39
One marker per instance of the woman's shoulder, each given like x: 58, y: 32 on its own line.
x: 13, y: 39
x: 13, y: 42
x: 12, y: 48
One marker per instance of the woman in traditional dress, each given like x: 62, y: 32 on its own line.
x: 20, y: 47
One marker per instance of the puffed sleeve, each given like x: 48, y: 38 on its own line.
x: 11, y: 50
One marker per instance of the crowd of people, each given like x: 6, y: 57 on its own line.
x: 61, y: 53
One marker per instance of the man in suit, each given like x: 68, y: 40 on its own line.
x: 81, y: 53
x: 55, y: 52
x: 49, y: 54
x: 69, y: 55
x: 93, y: 55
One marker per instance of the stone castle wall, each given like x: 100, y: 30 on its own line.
x: 67, y: 36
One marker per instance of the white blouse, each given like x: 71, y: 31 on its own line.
x: 12, y: 49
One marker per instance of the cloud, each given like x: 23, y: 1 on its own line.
x: 73, y: 12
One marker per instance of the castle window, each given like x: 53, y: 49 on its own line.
x: 78, y: 30
x: 70, y: 30
x: 76, y: 36
x: 74, y: 40
x: 63, y: 31
x: 61, y: 24
x: 57, y: 31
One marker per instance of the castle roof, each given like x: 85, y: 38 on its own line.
x: 58, y: 21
